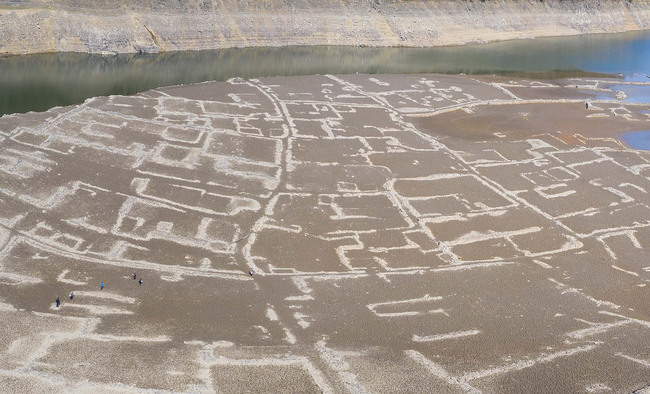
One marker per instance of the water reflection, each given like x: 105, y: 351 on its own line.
x: 39, y: 82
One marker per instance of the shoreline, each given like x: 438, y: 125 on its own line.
x: 304, y: 46
x: 351, y: 46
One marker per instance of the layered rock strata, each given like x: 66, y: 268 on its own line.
x: 153, y: 26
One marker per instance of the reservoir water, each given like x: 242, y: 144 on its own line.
x: 40, y: 82
x: 637, y: 139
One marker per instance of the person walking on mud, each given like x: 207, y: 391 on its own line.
x: 71, y: 295
x: 134, y: 276
x: 101, y: 287
x: 140, y: 282
x: 58, y: 302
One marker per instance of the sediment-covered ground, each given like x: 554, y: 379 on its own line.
x: 110, y: 27
x: 421, y: 233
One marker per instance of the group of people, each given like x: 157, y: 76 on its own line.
x: 58, y: 302
x: 101, y: 287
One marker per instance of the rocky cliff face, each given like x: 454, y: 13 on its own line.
x: 168, y: 25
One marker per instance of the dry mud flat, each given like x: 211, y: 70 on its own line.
x: 419, y: 233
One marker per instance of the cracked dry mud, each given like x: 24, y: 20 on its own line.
x: 425, y: 233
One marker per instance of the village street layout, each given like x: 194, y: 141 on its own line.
x: 352, y: 233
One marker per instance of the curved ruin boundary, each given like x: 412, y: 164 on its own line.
x: 143, y: 26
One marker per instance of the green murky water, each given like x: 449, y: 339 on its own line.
x: 40, y: 82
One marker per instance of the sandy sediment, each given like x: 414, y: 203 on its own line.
x: 138, y: 26
x: 420, y: 233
